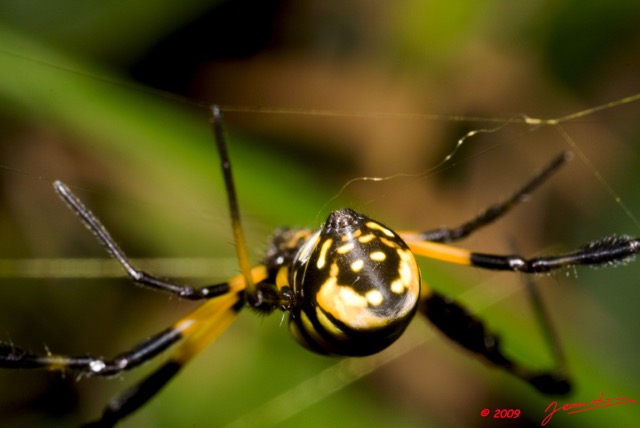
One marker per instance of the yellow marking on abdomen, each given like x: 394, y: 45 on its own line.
x: 344, y: 249
x: 378, y: 226
x: 322, y: 258
x: 357, y: 265
x: 366, y: 238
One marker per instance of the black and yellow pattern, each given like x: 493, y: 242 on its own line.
x: 350, y: 288
x: 361, y: 285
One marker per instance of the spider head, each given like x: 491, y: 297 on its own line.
x: 356, y: 287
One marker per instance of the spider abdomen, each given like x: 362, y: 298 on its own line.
x: 356, y: 284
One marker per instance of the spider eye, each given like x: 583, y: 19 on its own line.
x: 357, y: 286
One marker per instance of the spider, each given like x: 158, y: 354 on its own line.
x: 350, y: 289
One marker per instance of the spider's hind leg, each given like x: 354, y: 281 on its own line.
x: 470, y: 332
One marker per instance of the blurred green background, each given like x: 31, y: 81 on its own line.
x: 110, y: 97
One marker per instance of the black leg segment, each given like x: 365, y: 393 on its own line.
x: 136, y: 396
x: 136, y: 275
x: 462, y: 327
x: 611, y: 250
x: 495, y: 211
x: 13, y: 357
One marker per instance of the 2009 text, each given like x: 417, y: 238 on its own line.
x: 501, y: 413
x: 506, y: 413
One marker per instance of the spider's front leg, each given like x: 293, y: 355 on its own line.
x: 14, y: 357
x: 136, y: 275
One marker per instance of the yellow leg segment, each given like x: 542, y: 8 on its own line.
x: 434, y: 250
x: 207, y: 322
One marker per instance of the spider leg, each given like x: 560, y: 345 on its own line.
x: 495, y: 211
x: 199, y: 329
x: 135, y: 397
x: 470, y: 332
x: 194, y: 331
x: 607, y: 251
x: 232, y: 199
x: 136, y: 275
x: 14, y: 357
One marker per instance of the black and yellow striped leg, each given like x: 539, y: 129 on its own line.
x: 197, y: 330
x: 14, y: 357
x: 232, y: 198
x: 193, y: 332
x: 462, y: 327
x: 608, y: 251
x: 136, y: 275
x: 469, y: 331
x: 495, y: 211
